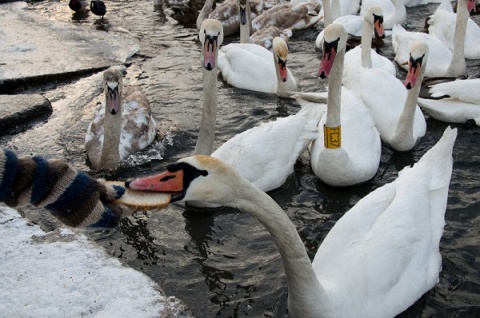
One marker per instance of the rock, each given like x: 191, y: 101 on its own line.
x: 19, y: 110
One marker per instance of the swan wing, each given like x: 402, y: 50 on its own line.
x: 450, y: 110
x: 94, y: 135
x: 265, y: 154
x: 463, y: 90
x: 138, y: 128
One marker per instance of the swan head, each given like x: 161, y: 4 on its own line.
x: 196, y: 178
x: 280, y: 52
x: 374, y: 16
x: 113, y: 85
x: 416, y: 64
x: 242, y: 4
x: 334, y: 41
x: 211, y: 37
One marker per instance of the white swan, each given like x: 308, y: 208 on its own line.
x: 122, y: 126
x: 365, y: 56
x: 264, y: 155
x: 394, y: 11
x: 460, y: 102
x: 354, y: 25
x: 442, y: 25
x: 442, y: 62
x: 397, y: 117
x: 377, y: 260
x: 288, y: 16
x: 253, y: 67
x: 348, y: 149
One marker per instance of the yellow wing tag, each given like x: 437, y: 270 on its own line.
x: 332, y: 137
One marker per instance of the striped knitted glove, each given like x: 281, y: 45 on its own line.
x: 72, y: 196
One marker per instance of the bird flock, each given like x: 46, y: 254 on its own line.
x: 383, y: 254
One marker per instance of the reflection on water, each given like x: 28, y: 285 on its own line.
x: 224, y: 263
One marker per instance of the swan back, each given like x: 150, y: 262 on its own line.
x: 265, y: 155
x: 389, y: 241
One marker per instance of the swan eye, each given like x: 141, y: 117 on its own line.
x: 378, y: 18
x: 416, y: 61
x: 327, y: 46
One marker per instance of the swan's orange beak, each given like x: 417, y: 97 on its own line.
x: 379, y: 29
x: 163, y: 182
x: 282, y: 66
x: 209, y: 53
x: 327, y: 62
x: 414, y: 68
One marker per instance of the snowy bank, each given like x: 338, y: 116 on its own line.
x: 64, y: 274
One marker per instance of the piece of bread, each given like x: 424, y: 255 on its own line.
x: 141, y: 200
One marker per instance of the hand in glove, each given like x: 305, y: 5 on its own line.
x: 72, y: 196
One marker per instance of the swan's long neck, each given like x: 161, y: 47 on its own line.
x: 204, y: 13
x: 402, y: 138
x: 306, y: 295
x: 335, y: 91
x: 245, y: 28
x: 327, y: 13
x: 458, y: 65
x: 206, y: 136
x: 112, y: 129
x: 366, y: 43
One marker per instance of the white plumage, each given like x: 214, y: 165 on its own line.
x: 253, y: 67
x: 442, y: 26
x: 376, y: 261
x: 397, y: 117
x: 356, y: 157
x: 442, y: 62
x: 460, y: 102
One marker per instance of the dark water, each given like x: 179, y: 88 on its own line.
x: 224, y: 263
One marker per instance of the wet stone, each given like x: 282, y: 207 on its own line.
x: 19, y: 110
